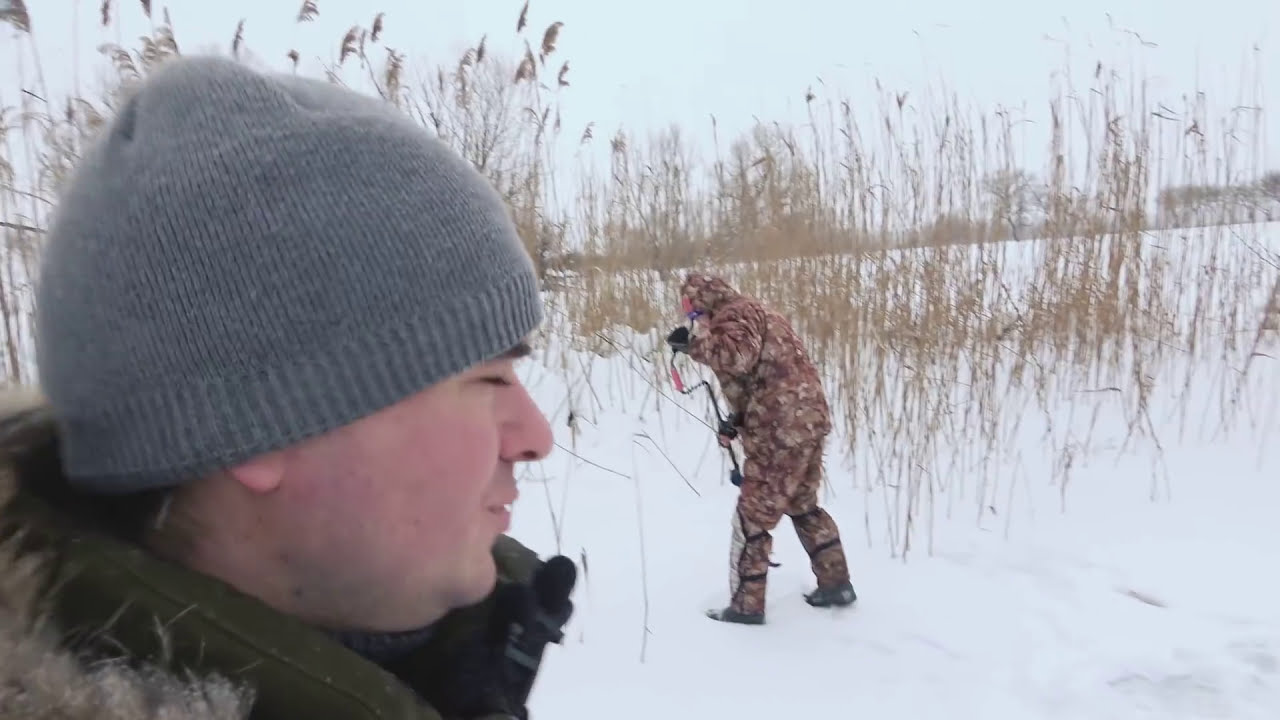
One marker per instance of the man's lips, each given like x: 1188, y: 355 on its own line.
x: 503, y: 515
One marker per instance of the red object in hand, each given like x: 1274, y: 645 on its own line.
x: 675, y: 378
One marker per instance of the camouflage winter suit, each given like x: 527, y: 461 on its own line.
x: 769, y: 382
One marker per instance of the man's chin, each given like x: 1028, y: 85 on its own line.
x: 480, y: 581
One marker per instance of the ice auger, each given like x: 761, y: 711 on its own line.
x: 735, y: 475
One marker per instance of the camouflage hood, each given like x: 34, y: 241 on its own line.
x: 40, y: 679
x: 708, y: 292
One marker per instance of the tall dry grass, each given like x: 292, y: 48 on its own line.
x: 902, y: 248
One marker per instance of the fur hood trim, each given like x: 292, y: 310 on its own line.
x: 38, y: 678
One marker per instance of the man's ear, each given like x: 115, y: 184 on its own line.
x: 262, y: 474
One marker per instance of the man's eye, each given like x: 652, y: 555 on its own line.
x: 498, y: 380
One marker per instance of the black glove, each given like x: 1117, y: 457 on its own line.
x: 490, y: 672
x: 529, y: 621
x: 679, y: 339
x: 728, y: 428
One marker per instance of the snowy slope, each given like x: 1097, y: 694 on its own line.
x: 1133, y: 594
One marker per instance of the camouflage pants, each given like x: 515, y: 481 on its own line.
x: 777, y: 482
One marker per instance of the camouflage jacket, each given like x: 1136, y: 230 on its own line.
x: 761, y: 364
x: 185, y: 645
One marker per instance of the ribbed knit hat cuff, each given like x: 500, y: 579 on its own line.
x: 151, y: 438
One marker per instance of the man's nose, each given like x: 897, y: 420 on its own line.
x: 528, y: 436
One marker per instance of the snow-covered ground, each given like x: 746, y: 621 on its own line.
x: 1148, y: 588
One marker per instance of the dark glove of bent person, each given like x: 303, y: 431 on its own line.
x: 679, y: 339
x: 489, y: 672
x: 729, y: 427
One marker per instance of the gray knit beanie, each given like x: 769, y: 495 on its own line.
x: 244, y: 260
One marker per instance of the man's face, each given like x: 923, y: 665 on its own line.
x: 387, y: 523
x: 696, y: 316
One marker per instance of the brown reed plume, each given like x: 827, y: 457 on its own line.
x: 966, y: 307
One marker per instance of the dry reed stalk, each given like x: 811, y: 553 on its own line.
x: 962, y: 305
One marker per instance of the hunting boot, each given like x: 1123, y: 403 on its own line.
x: 839, y: 595
x: 748, y: 576
x: 730, y: 615
x: 821, y: 540
x: 747, y: 604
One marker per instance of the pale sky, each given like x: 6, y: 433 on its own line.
x: 645, y: 65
